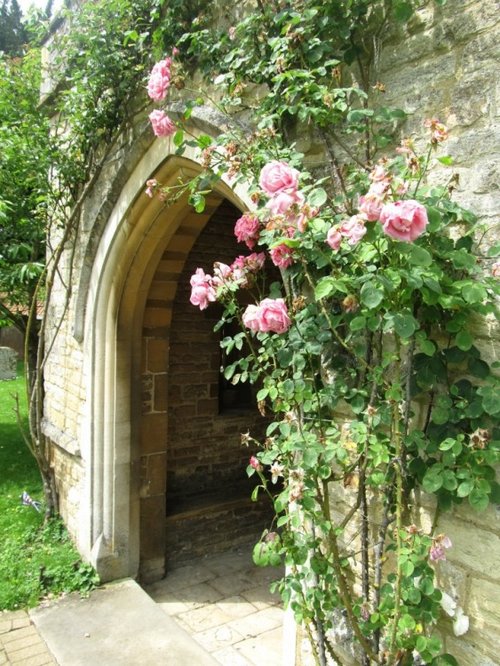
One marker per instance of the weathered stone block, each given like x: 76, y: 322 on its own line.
x: 8, y: 363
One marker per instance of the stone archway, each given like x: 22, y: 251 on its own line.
x: 141, y: 234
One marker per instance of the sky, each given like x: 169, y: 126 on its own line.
x: 41, y: 4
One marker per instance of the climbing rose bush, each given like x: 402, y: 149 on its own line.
x: 363, y: 360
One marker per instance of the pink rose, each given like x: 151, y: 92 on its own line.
x: 437, y: 550
x: 202, y: 289
x: 404, y: 220
x: 270, y: 316
x: 247, y: 229
x: 333, y: 238
x: 370, y: 206
x: 222, y: 274
x: 159, y: 80
x: 151, y: 186
x: 439, y: 132
x: 162, y: 124
x: 251, y: 318
x: 278, y: 176
x: 353, y: 229
x: 495, y: 269
x: 281, y: 203
x: 379, y: 174
x: 282, y: 256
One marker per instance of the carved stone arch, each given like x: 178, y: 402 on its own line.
x: 138, y: 233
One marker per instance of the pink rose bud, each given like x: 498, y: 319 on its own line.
x: 254, y: 462
x: 370, y: 206
x: 404, y: 220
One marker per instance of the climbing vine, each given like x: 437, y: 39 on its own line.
x: 363, y: 355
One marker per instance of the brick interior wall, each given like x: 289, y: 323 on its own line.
x: 204, y: 454
x: 193, y: 464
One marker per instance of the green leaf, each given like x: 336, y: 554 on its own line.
x: 478, y: 368
x: 474, y: 293
x: 403, y: 11
x: 465, y: 488
x: 491, y: 399
x: 444, y: 659
x: 324, y: 288
x: 407, y: 568
x: 433, y: 479
x: 371, y: 296
x: 417, y: 256
x: 317, y: 197
x: 447, y: 160
x: 178, y: 138
x: 478, y: 500
x: 464, y: 340
x: 405, y: 325
x: 357, y: 324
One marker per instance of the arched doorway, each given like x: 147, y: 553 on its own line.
x: 126, y: 299
x: 195, y: 494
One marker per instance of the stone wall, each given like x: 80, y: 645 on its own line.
x: 445, y: 65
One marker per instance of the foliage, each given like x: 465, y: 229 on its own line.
x: 24, y: 172
x: 12, y: 31
x: 36, y: 560
x: 364, y: 356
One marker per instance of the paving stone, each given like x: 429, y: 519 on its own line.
x: 173, y: 607
x: 40, y: 660
x: 18, y: 634
x: 204, y: 618
x: 263, y: 650
x: 5, y: 625
x: 21, y: 622
x: 24, y: 642
x: 261, y: 597
x: 259, y: 622
x: 182, y: 577
x: 230, y: 657
x: 217, y: 638
x: 20, y: 656
x: 236, y: 606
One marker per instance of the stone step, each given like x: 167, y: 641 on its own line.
x: 118, y: 625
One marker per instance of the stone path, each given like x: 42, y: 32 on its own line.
x: 224, y: 603
x: 217, y: 610
x: 20, y: 642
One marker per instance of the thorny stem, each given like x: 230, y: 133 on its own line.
x: 335, y: 168
x: 379, y: 560
x: 398, y: 448
x: 344, y: 591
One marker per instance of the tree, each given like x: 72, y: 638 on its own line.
x: 12, y: 32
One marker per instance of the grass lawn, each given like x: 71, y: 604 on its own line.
x: 36, y: 560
